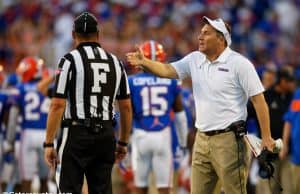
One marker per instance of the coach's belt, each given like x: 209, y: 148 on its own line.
x: 238, y: 127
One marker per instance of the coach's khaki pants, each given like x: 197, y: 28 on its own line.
x: 296, y: 178
x: 216, y: 157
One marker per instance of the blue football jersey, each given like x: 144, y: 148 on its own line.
x: 152, y: 99
x: 33, y: 105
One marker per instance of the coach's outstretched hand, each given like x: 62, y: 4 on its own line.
x: 51, y: 157
x: 137, y: 58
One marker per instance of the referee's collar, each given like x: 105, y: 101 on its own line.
x: 88, y: 44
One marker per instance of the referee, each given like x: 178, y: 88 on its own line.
x: 88, y: 81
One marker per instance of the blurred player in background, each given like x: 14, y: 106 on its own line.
x: 153, y: 99
x: 268, y: 78
x: 9, y: 176
x: 291, y: 136
x: 33, y: 106
x: 3, y: 100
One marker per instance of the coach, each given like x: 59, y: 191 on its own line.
x: 88, y: 81
x: 223, y: 81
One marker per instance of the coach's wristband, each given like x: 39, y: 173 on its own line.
x: 122, y: 143
x: 48, y: 145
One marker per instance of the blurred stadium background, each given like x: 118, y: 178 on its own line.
x: 266, y: 31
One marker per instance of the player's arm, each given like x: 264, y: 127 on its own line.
x: 181, y: 125
x: 11, y: 126
x: 263, y: 116
x: 138, y: 60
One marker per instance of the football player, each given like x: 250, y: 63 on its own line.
x: 10, y: 169
x: 153, y: 99
x: 3, y: 102
x: 33, y: 106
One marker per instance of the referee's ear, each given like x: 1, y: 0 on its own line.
x: 98, y: 35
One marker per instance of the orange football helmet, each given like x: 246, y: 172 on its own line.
x: 153, y: 50
x: 30, y: 68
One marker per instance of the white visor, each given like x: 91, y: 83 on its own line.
x: 220, y: 26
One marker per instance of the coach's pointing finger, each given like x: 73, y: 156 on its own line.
x: 136, y: 58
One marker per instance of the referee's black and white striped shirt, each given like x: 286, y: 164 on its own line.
x: 90, y: 79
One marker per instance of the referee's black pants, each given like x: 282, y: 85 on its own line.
x: 80, y: 152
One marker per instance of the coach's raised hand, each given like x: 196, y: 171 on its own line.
x: 136, y: 58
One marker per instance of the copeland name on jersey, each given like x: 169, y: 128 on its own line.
x: 150, y: 81
x: 153, y: 98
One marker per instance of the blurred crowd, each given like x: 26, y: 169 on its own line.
x: 265, y: 31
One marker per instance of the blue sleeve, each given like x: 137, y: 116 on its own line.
x: 288, y: 116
